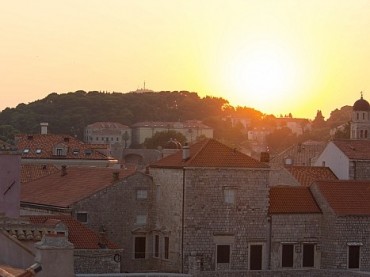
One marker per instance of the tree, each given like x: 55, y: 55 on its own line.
x: 319, y: 121
x: 161, y: 139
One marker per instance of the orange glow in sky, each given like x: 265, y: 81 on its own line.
x: 278, y: 57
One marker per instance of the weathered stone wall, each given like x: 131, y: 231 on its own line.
x: 97, y: 261
x: 296, y: 229
x: 359, y: 170
x: 116, y: 209
x: 209, y: 220
x: 169, y: 199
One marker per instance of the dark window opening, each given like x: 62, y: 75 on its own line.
x: 255, y: 259
x: 82, y: 217
x: 287, y: 255
x: 308, y: 255
x: 166, y: 247
x: 353, y: 256
x: 156, y: 246
x: 223, y: 254
x: 140, y: 247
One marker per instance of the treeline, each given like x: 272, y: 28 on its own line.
x: 69, y: 113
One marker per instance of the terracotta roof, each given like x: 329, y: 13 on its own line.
x: 354, y: 149
x: 210, y: 153
x: 41, y: 146
x: 306, y: 175
x: 31, y: 172
x: 348, y: 197
x: 9, y: 271
x: 81, y: 236
x: 77, y: 184
x: 292, y: 200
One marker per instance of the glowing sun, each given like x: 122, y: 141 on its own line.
x: 266, y: 74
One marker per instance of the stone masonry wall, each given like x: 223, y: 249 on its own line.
x: 359, y: 170
x: 296, y: 229
x: 97, y: 261
x: 116, y: 209
x: 210, y: 221
x: 169, y: 199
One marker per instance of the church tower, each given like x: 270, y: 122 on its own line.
x: 360, y: 123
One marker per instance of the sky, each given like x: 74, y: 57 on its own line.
x: 278, y: 56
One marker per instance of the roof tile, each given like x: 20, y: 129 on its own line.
x: 292, y: 200
x: 354, y: 149
x: 210, y: 153
x: 306, y: 175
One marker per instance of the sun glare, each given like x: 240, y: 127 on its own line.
x: 264, y: 76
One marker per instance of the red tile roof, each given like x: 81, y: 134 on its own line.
x: 77, y: 184
x: 292, y: 200
x: 354, y: 149
x: 41, y: 146
x: 348, y: 197
x: 306, y: 175
x: 31, y: 172
x: 81, y: 236
x: 210, y: 153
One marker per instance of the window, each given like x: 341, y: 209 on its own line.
x: 140, y: 243
x: 26, y: 151
x: 255, y: 257
x: 82, y: 217
x: 223, y: 254
x: 38, y: 151
x: 141, y: 219
x: 156, y: 246
x: 59, y: 152
x: 141, y: 194
x: 287, y: 255
x: 166, y: 248
x: 365, y: 133
x: 308, y: 255
x: 229, y: 196
x: 353, y: 256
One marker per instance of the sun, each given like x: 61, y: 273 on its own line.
x: 264, y: 75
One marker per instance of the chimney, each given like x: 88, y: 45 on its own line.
x: 185, y: 152
x: 64, y: 170
x: 44, y: 128
x: 115, y: 176
x: 265, y: 157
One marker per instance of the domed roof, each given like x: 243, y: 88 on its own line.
x: 361, y: 105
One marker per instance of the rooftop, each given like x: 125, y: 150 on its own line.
x: 346, y: 197
x: 354, y: 149
x: 292, y: 200
x: 62, y: 189
x: 209, y: 153
x: 306, y: 175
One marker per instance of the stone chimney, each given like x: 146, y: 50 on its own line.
x: 185, y: 152
x: 265, y: 157
x: 115, y: 176
x: 64, y: 170
x: 44, y: 128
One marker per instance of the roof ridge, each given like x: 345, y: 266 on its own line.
x: 205, y: 143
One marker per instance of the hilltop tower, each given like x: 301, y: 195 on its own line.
x: 360, y: 123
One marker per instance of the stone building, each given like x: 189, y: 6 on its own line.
x: 295, y: 228
x: 211, y: 212
x: 348, y: 159
x: 116, y: 201
x: 191, y: 129
x: 345, y: 225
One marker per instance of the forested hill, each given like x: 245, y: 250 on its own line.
x: 69, y: 113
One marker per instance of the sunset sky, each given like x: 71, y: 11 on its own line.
x: 278, y: 57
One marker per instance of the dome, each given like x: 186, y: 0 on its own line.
x: 361, y: 105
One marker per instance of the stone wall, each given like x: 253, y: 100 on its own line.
x: 169, y: 199
x: 97, y: 260
x: 210, y: 221
x: 359, y: 170
x: 296, y: 229
x: 116, y: 209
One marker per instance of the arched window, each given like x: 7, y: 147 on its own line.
x: 365, y: 133
x: 361, y: 133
